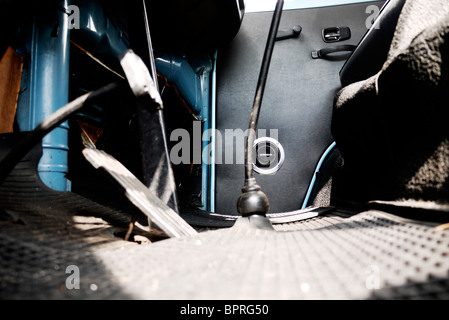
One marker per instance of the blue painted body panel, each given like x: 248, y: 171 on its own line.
x: 47, y: 89
x: 194, y: 82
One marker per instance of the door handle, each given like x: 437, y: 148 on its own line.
x: 336, y: 34
x: 323, y: 53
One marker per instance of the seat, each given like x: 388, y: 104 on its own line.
x: 391, y: 127
x: 371, y: 53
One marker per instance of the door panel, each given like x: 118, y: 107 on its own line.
x: 297, y: 104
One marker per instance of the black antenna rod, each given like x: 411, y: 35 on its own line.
x: 253, y: 201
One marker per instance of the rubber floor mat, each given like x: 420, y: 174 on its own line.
x: 58, y: 245
x: 367, y: 256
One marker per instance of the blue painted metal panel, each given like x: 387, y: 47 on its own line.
x: 47, y: 84
x: 178, y: 71
x: 206, y: 146
x: 193, y: 82
x: 213, y: 117
x: 99, y: 34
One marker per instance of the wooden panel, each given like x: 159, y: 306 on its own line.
x: 11, y: 66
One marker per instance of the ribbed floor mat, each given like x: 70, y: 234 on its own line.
x: 45, y: 235
x: 369, y: 255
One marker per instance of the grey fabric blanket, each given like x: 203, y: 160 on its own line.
x: 392, y: 129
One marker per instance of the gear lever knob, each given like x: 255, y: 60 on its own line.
x: 252, y: 201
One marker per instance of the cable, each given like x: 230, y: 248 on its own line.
x: 323, y: 158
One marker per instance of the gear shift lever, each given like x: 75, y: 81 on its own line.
x: 252, y: 201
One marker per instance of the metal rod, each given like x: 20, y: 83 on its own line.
x: 150, y: 46
x: 263, y: 75
x: 252, y: 201
x: 170, y: 180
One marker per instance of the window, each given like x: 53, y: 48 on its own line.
x: 269, y: 5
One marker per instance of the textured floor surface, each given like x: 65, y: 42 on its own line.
x: 52, y: 241
x: 369, y: 255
